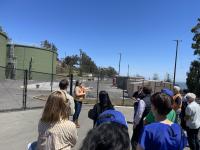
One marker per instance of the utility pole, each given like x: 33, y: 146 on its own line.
x: 120, y: 55
x: 80, y: 62
x: 177, y: 43
x: 128, y: 71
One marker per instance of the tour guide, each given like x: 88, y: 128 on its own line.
x: 79, y: 95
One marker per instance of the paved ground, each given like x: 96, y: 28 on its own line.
x: 20, y: 128
x: 11, y: 92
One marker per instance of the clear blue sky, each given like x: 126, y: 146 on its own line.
x: 142, y: 30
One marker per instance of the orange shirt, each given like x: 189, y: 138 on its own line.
x: 79, y: 93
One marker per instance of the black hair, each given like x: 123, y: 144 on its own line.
x: 135, y: 94
x: 77, y: 83
x: 139, y: 93
x: 162, y: 102
x: 107, y: 136
x: 147, y: 90
x: 63, y: 84
x: 104, y: 100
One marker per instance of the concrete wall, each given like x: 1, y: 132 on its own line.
x: 123, y: 81
x: 3, y: 49
x: 155, y: 85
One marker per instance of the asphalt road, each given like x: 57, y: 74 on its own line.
x: 20, y: 128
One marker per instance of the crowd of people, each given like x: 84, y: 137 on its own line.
x: 172, y: 123
x: 164, y: 120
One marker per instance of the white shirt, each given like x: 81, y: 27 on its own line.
x: 193, y: 111
x: 139, y: 113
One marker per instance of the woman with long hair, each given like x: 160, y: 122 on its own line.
x: 55, y: 129
x: 103, y: 105
x: 79, y: 95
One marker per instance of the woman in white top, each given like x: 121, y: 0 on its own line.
x: 56, y: 131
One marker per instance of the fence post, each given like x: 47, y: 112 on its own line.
x: 51, y: 82
x: 97, y: 90
x: 71, y: 84
x: 123, y: 91
x: 25, y: 89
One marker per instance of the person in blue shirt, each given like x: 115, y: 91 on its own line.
x: 163, y: 134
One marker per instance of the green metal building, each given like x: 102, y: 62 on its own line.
x: 40, y: 62
x: 3, y: 51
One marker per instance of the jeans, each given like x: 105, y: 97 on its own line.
x: 78, y: 106
x: 136, y: 135
x: 193, y: 139
x: 178, y: 119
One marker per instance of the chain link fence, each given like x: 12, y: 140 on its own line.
x: 96, y: 84
x: 11, y: 90
x: 23, y: 89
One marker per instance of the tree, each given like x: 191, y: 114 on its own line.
x: 46, y: 44
x: 87, y: 64
x: 167, y: 78
x: 53, y: 47
x: 110, y: 72
x: 71, y: 61
x: 193, y: 76
x: 196, y: 38
x: 155, y: 76
x: 107, y: 72
x: 1, y: 29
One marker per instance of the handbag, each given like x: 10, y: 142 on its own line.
x: 91, y: 114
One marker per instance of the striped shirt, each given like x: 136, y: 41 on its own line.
x: 57, y: 136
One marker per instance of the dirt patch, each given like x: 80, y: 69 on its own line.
x: 41, y: 97
x: 126, y: 102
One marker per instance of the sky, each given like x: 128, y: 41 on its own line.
x: 141, y: 30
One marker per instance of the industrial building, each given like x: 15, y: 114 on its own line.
x: 15, y: 58
x: 132, y: 84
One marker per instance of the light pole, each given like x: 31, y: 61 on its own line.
x: 80, y: 61
x: 177, y: 42
x: 128, y: 71
x: 120, y: 55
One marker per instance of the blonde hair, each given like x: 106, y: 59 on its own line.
x: 56, y: 107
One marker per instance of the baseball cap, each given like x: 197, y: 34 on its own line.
x: 167, y: 91
x: 112, y: 116
x: 190, y: 96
